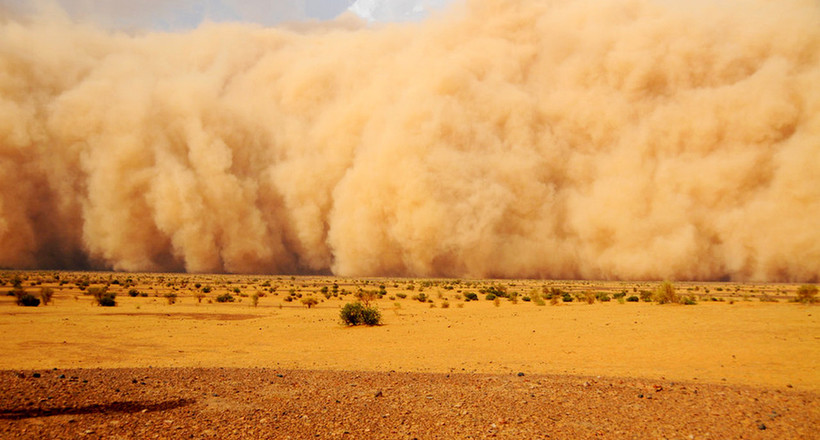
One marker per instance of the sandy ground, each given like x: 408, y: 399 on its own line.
x: 769, y: 344
x: 748, y: 359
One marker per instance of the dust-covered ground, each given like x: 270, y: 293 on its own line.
x: 740, y: 363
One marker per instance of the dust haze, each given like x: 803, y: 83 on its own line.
x: 606, y: 139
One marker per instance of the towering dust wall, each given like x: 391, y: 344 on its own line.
x: 634, y: 139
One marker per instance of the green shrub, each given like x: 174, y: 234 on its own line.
x: 225, y: 297
x: 490, y: 297
x: 357, y: 313
x: 602, y: 296
x: 133, y: 293
x: 689, y: 301
x: 470, y: 296
x: 566, y: 297
x: 401, y: 295
x: 646, y: 296
x: 632, y: 298
x: 807, y: 294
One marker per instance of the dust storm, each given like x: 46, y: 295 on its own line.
x: 639, y: 139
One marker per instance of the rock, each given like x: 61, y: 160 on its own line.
x: 761, y: 427
x: 36, y: 375
x: 520, y: 374
x: 379, y: 394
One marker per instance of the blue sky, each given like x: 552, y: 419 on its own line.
x: 186, y: 14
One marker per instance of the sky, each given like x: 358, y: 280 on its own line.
x: 170, y: 15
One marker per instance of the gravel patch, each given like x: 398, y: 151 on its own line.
x: 173, y: 403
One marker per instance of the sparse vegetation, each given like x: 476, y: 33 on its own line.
x: 46, y: 293
x: 225, y: 297
x: 25, y: 299
x: 665, y: 294
x: 309, y: 301
x: 807, y: 294
x: 357, y: 313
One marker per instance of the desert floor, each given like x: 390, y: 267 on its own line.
x: 726, y: 345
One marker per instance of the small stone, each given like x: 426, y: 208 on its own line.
x: 378, y: 394
x: 640, y: 396
x: 36, y: 375
x: 520, y: 374
x: 62, y: 376
x: 761, y: 427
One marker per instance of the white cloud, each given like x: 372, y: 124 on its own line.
x: 395, y: 10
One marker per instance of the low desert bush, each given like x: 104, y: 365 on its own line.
x: 665, y: 293
x: 225, y: 297
x: 566, y: 297
x: 309, y: 301
x: 25, y: 299
x: 357, y: 313
x: 470, y: 296
x: 807, y: 294
x: 489, y: 297
x: 133, y: 293
x: 171, y: 297
x: 632, y: 298
x: 401, y: 295
x: 46, y: 293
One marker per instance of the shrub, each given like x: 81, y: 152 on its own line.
x: 689, y: 301
x: 421, y: 297
x: 470, y: 296
x: 665, y: 293
x: 490, y: 297
x: 26, y: 299
x: 206, y: 289
x: 646, y: 296
x: 133, y: 293
x: 589, y: 297
x: 358, y: 314
x: 619, y: 295
x: 255, y: 299
x: 103, y: 297
x: 401, y: 295
x: 445, y: 305
x: 807, y: 294
x: 602, y: 296
x: 45, y: 295
x: 526, y: 298
x: 566, y: 297
x: 632, y: 298
x: 310, y: 301
x: 225, y: 297
x: 171, y: 297
x: 107, y: 300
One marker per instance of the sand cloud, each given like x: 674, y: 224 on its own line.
x: 639, y: 139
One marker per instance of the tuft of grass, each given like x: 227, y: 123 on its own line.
x: 46, y: 293
x: 665, y: 294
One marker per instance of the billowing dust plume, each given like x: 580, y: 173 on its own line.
x: 637, y: 139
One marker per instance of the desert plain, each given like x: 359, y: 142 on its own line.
x: 171, y: 360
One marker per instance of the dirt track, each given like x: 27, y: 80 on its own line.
x: 266, y: 403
